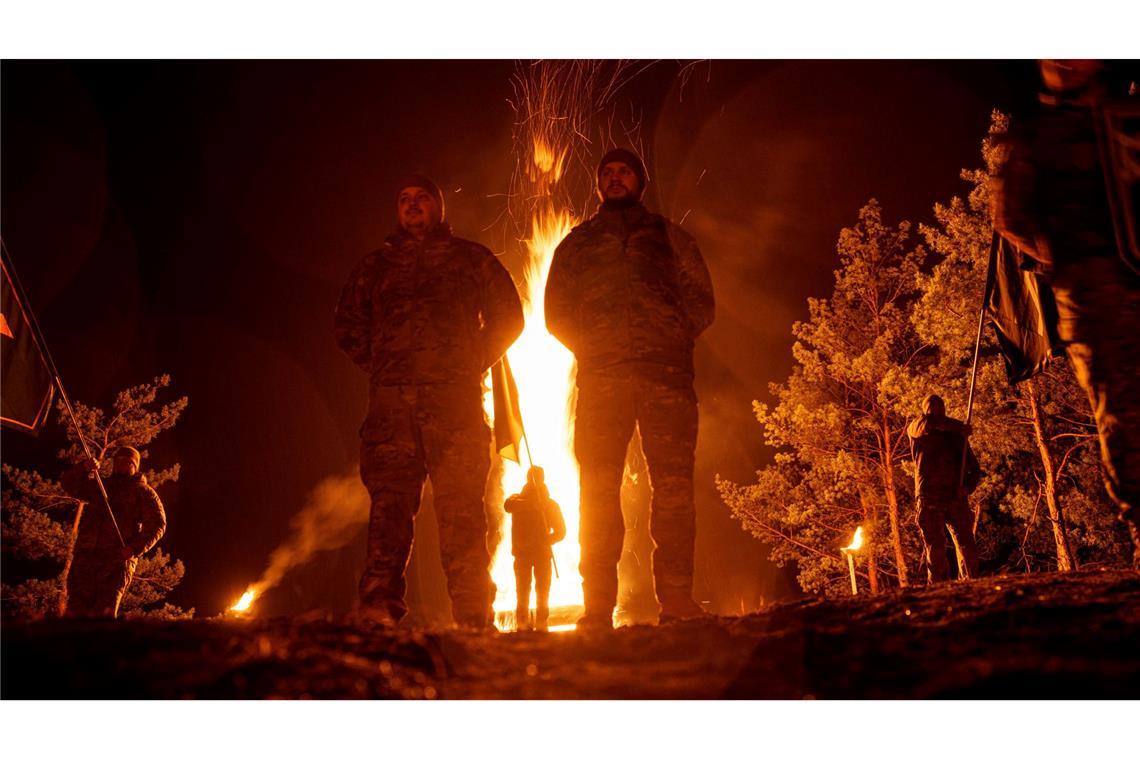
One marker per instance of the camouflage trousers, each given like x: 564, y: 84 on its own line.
x: 96, y: 584
x: 435, y: 431
x: 1098, y: 301
x: 663, y: 406
x: 934, y: 517
x: 540, y: 568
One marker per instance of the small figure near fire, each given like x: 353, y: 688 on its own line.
x: 1059, y: 199
x: 536, y: 525
x: 426, y: 315
x: 937, y: 444
x: 628, y: 294
x: 101, y: 565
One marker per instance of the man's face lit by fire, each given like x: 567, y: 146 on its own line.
x: 417, y: 210
x: 617, y: 181
x: 123, y: 465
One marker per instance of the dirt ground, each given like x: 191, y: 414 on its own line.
x: 1044, y: 636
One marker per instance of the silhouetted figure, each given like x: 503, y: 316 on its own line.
x: 425, y: 316
x: 1050, y: 201
x: 629, y: 293
x: 101, y: 568
x: 536, y: 525
x: 936, y: 443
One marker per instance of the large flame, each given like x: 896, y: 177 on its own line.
x: 555, y: 102
x: 544, y: 372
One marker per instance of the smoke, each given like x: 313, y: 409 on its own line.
x: 334, y: 511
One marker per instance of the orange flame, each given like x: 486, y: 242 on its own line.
x: 856, y: 541
x: 544, y: 372
x: 245, y: 602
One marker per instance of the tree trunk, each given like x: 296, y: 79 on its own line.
x: 870, y: 519
x: 893, y: 503
x: 1065, y: 560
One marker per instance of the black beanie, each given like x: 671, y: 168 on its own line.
x: 419, y: 180
x: 630, y: 159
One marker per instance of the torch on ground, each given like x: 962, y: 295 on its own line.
x: 849, y: 552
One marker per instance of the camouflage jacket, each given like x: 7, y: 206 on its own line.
x: 936, y: 445
x: 629, y: 286
x: 137, y: 508
x: 1049, y: 195
x: 536, y: 522
x: 438, y: 311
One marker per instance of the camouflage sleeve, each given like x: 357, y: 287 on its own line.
x: 501, y: 309
x: 916, y: 428
x: 555, y: 522
x: 153, y: 520
x: 561, y: 304
x: 510, y: 504
x: 693, y: 276
x: 353, y: 322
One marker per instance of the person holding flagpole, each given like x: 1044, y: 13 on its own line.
x: 1058, y: 201
x: 102, y: 565
x: 536, y: 525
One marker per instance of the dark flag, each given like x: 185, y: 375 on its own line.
x: 509, y: 431
x: 1023, y: 312
x: 26, y: 385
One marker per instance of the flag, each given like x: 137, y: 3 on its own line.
x: 1023, y: 312
x: 509, y: 430
x: 26, y: 385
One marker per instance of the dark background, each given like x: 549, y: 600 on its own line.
x: 199, y: 218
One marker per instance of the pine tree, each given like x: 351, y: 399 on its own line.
x: 891, y: 333
x: 836, y: 423
x: 40, y: 519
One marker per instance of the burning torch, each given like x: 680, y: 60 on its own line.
x: 849, y: 552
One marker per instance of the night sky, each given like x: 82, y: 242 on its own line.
x: 199, y: 219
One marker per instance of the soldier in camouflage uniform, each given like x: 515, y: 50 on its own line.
x: 536, y: 525
x: 101, y: 568
x: 1050, y: 201
x: 425, y: 316
x: 936, y: 443
x: 628, y: 293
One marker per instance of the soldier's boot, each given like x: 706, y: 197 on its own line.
x: 522, y: 619
x: 542, y: 618
x: 680, y: 609
x: 373, y: 618
x: 601, y: 550
x: 599, y: 606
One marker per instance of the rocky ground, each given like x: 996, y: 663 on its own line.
x: 1042, y: 636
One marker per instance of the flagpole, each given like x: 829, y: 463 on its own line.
x: 38, y: 336
x: 990, y: 274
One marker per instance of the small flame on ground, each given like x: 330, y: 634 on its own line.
x: 856, y: 541
x: 245, y: 602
